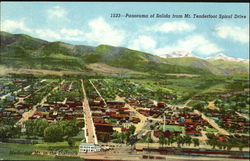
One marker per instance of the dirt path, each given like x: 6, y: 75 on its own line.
x: 143, y: 118
x: 70, y: 87
x: 212, y: 106
x: 243, y: 115
x: 212, y: 123
x: 99, y: 94
x: 15, y: 92
x: 21, y: 100
x: 187, y: 102
x: 30, y: 113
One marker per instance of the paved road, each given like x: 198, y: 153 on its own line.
x: 30, y: 113
x: 89, y: 125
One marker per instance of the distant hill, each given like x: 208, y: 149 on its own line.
x: 215, y: 66
x: 23, y: 51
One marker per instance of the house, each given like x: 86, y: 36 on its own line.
x: 117, y: 103
x: 99, y: 120
x: 135, y: 120
x: 120, y: 116
x: 193, y: 133
x: 89, y: 147
x: 144, y: 112
x: 100, y: 127
x: 161, y: 104
x: 43, y: 109
x: 10, y: 98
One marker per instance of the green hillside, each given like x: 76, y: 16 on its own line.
x: 135, y: 60
x: 214, y: 66
x: 23, y: 51
x: 226, y: 67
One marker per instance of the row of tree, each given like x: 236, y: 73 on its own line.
x: 8, y: 129
x: 50, y: 132
x: 228, y: 143
x: 179, y: 140
x: 53, y: 132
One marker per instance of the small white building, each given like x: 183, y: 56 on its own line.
x: 89, y: 147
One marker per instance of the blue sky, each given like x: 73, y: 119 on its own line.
x: 89, y: 23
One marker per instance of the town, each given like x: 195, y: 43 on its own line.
x: 121, y: 118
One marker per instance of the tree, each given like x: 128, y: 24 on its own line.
x: 122, y: 137
x: 53, y: 133
x: 196, y: 142
x: 70, y: 128
x: 148, y: 139
x: 16, y: 131
x: 104, y: 137
x: 187, y: 140
x: 39, y: 126
x: 118, y: 137
x: 241, y: 146
x: 5, y: 131
x: 229, y: 146
x: 171, y: 140
x: 212, y: 142
x: 30, y: 128
x: 179, y: 140
x: 132, y: 129
x: 71, y: 142
x: 162, y: 140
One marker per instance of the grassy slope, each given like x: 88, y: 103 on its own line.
x: 23, y: 51
x: 215, y: 66
x: 135, y: 60
x: 230, y: 67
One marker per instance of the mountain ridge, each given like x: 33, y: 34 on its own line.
x: 23, y: 51
x: 227, y: 58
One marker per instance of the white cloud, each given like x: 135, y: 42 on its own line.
x: 100, y: 32
x: 236, y: 33
x: 57, y: 12
x: 48, y: 34
x: 194, y: 43
x: 72, y: 34
x: 175, y: 26
x: 62, y: 34
x: 143, y: 42
x: 13, y: 25
x: 103, y: 33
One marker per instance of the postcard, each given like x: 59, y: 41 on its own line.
x: 124, y: 81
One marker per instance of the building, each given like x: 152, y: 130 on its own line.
x: 116, y: 103
x: 89, y: 147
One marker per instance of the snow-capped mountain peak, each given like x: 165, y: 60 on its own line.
x: 177, y: 54
x: 227, y: 58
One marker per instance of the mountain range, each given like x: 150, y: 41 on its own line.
x: 220, y: 56
x: 23, y: 51
x: 227, y: 58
